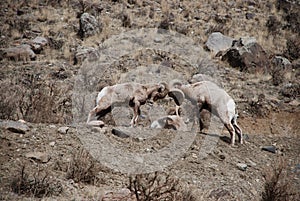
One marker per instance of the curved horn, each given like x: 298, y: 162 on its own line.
x: 175, y: 84
x: 177, y: 95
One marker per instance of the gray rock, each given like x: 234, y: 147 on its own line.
x: 20, y: 53
x: 38, y: 44
x: 119, y: 133
x: 63, y: 130
x: 15, y: 126
x: 271, y: 149
x: 247, y: 55
x: 83, y: 53
x: 280, y: 61
x: 218, y: 42
x: 242, y: 166
x: 89, y: 25
x: 38, y: 156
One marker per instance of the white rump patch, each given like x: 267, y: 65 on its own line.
x: 231, y: 108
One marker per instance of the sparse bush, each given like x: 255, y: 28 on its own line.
x: 37, y: 185
x: 82, y: 168
x: 279, y: 184
x: 29, y: 97
x: 158, y: 186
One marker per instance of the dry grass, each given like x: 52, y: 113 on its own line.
x: 280, y: 184
x: 39, y: 184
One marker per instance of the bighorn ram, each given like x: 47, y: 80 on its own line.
x: 131, y: 93
x: 207, y: 95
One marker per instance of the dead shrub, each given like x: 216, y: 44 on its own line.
x: 158, y: 186
x: 38, y: 185
x: 28, y: 97
x: 82, y: 168
x: 279, y: 184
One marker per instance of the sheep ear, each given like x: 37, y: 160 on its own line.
x: 177, y: 95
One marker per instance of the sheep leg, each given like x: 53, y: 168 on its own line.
x: 177, y: 110
x: 237, y: 129
x: 231, y: 130
x: 136, y: 111
x: 238, y: 132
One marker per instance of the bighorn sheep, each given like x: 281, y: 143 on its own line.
x: 207, y: 95
x: 170, y: 122
x: 131, y: 93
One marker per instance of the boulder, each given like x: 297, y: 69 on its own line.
x: 280, y: 72
x: 15, y: 126
x: 290, y: 90
x: 89, y: 25
x: 218, y: 42
x: 83, y: 53
x: 281, y: 62
x: 247, y: 55
x: 20, y: 53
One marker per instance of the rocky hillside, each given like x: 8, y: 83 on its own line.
x: 56, y: 55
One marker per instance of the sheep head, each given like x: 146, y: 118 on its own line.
x: 161, y: 92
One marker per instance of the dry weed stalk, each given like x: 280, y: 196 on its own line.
x: 279, y: 184
x: 38, y: 185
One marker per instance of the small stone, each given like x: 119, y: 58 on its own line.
x: 52, y: 144
x: 38, y: 156
x: 194, y: 155
x: 97, y: 123
x: 294, y: 103
x: 52, y: 126
x: 63, y: 130
x: 157, y: 40
x: 242, y: 166
x: 222, y: 157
